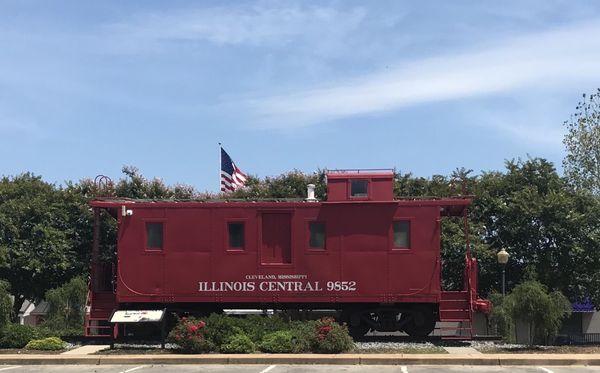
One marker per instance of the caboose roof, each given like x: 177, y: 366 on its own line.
x: 361, y: 173
x: 450, y: 206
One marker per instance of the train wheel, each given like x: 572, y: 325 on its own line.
x: 419, y: 323
x: 353, y: 317
x: 358, y: 332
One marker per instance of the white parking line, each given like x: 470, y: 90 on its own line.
x: 268, y: 369
x: 404, y: 369
x: 545, y: 370
x: 8, y: 368
x: 132, y: 369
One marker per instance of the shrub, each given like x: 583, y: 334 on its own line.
x: 5, y: 304
x: 189, y: 334
x: 66, y: 311
x: 46, y: 344
x: 331, y: 337
x: 238, y: 344
x: 17, y: 336
x: 500, y: 319
x: 542, y: 311
x: 278, y: 342
x: 219, y: 328
x: 256, y: 326
x: 270, y: 334
x: 63, y: 333
x: 303, y: 332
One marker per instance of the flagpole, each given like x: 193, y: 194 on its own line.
x: 220, y: 160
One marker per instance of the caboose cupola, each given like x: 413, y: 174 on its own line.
x: 360, y: 185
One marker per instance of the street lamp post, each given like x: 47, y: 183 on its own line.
x: 502, y: 260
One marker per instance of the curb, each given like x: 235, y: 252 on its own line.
x: 289, y: 359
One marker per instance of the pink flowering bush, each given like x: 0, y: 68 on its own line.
x: 331, y: 337
x: 190, y: 335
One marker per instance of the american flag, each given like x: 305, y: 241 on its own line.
x: 232, y: 178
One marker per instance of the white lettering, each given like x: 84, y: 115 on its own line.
x: 276, y: 286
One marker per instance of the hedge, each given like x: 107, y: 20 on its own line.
x: 46, y: 344
x: 230, y: 334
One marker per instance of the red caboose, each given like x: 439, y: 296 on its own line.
x: 374, y: 258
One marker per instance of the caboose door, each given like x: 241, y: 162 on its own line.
x: 276, y: 245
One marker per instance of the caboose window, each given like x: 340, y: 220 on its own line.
x: 317, y: 235
x: 402, y: 234
x: 154, y: 236
x: 358, y: 188
x: 236, y: 235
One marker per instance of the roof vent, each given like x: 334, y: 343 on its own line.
x: 310, y: 192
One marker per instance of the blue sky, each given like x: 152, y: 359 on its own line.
x: 87, y: 87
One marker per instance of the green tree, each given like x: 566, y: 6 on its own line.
x: 500, y: 318
x: 135, y: 185
x: 5, y: 304
x: 555, y: 231
x: 67, y: 304
x: 289, y: 185
x: 582, y: 143
x: 44, y: 235
x: 542, y: 311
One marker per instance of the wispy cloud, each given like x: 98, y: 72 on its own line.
x: 11, y: 125
x: 526, y: 126
x: 256, y: 24
x: 547, y: 59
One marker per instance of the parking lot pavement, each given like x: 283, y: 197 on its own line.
x: 288, y: 369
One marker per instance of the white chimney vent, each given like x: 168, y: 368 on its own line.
x: 310, y: 191
x: 125, y: 211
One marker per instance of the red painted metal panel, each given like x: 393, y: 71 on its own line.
x: 276, y: 246
x: 380, y: 187
x: 141, y: 270
x: 359, y: 249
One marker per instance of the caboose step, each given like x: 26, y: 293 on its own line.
x: 455, y: 295
x: 454, y: 304
x: 99, y: 306
x: 455, y: 320
x: 462, y: 330
x: 97, y: 327
x: 454, y: 315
